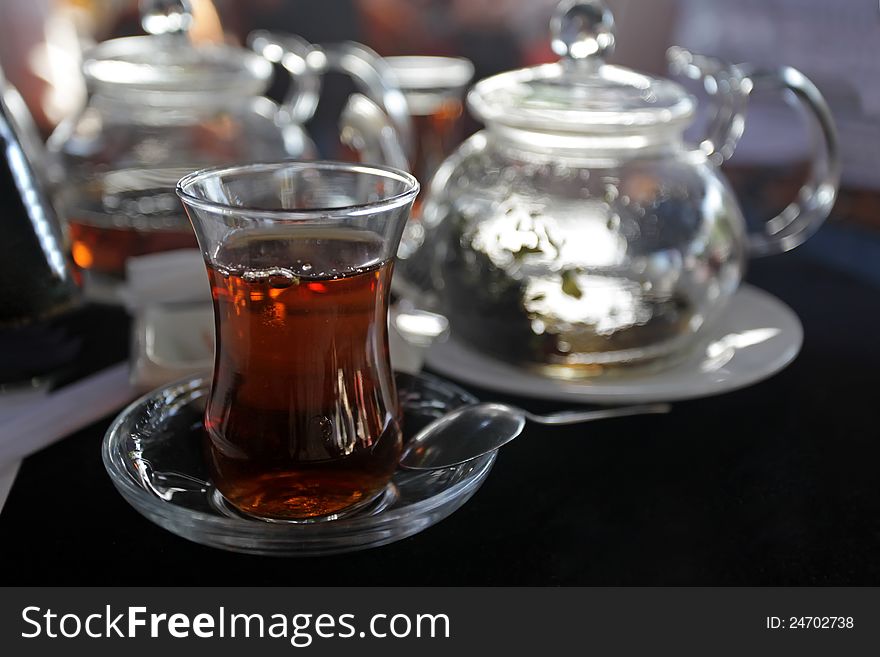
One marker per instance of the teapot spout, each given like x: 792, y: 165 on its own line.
x: 25, y: 126
x: 37, y: 279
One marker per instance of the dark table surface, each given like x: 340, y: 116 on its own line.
x: 777, y: 484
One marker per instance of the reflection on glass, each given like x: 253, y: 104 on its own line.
x: 721, y: 351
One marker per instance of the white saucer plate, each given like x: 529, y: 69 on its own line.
x: 756, y: 337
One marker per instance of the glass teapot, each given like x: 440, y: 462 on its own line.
x: 578, y: 233
x: 161, y: 107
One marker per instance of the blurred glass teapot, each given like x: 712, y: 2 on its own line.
x: 160, y: 107
x: 579, y: 233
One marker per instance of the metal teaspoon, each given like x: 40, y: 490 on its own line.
x: 471, y: 431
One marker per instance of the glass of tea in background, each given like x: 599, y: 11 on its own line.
x: 116, y: 215
x: 302, y: 420
x: 434, y: 89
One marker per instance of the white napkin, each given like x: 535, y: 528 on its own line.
x: 165, y: 278
x: 41, y: 422
x: 33, y: 419
x: 173, y: 328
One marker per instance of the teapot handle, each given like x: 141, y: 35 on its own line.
x: 307, y: 62
x: 375, y: 79
x: 365, y: 128
x: 727, y: 88
x: 730, y: 87
x: 292, y: 52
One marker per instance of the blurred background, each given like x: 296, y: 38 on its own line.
x: 836, y: 44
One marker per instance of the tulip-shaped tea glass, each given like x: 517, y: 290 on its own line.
x: 302, y: 420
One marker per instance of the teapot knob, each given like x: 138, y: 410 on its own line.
x: 166, y: 16
x: 582, y: 30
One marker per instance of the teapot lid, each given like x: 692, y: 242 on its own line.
x: 166, y: 60
x: 581, y: 94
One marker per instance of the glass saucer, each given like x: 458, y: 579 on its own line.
x: 153, y: 454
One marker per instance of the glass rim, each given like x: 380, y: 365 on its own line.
x: 430, y: 72
x: 299, y: 214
